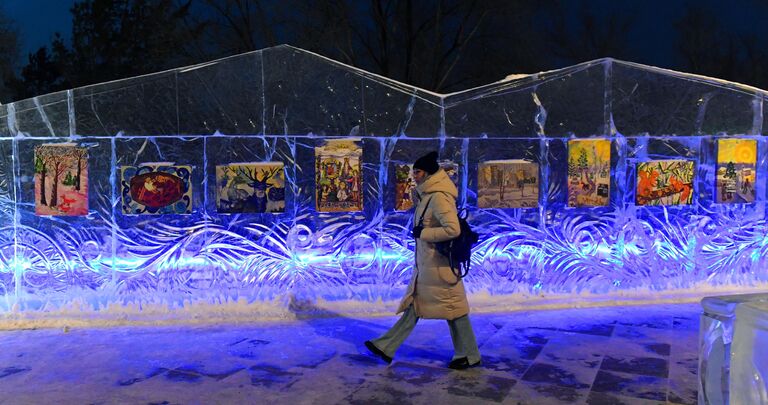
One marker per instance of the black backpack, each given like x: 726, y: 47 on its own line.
x: 459, y: 249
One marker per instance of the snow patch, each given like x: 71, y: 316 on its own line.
x: 79, y: 312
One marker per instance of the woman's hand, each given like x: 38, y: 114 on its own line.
x: 417, y: 231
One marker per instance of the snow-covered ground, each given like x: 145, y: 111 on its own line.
x: 84, y: 308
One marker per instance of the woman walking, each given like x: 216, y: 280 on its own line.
x: 434, y: 291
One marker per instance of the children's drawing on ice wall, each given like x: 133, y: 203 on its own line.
x: 736, y: 170
x: 665, y: 182
x: 156, y: 188
x: 508, y: 184
x: 339, y: 175
x: 250, y: 188
x: 451, y: 168
x: 589, y: 172
x: 405, y: 186
x: 61, y: 180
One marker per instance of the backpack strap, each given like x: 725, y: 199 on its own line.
x: 424, y: 211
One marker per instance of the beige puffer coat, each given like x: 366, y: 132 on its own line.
x: 434, y: 291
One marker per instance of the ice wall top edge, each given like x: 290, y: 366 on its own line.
x: 425, y: 95
x: 518, y: 82
x: 47, y: 113
x: 513, y: 81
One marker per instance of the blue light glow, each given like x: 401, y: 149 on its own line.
x: 280, y: 111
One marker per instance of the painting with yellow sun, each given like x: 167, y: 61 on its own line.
x: 736, y: 163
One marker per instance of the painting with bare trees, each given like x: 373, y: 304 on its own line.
x: 589, y: 172
x: 508, y: 184
x: 156, y: 188
x: 339, y: 175
x: 61, y: 180
x: 250, y: 187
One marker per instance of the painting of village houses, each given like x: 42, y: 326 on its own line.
x: 405, y: 186
x: 736, y: 163
x: 250, y: 188
x: 156, y: 188
x: 61, y: 180
x: 665, y: 182
x: 508, y: 184
x: 338, y: 175
x: 589, y: 171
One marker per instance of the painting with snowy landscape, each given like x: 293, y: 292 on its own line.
x: 589, y: 171
x: 508, y: 184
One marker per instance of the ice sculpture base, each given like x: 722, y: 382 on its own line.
x: 89, y: 308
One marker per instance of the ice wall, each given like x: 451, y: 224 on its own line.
x: 279, y: 103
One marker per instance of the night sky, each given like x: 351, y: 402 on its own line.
x: 38, y: 20
x: 651, y: 39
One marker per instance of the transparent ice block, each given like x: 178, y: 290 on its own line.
x: 749, y: 355
x: 715, y: 337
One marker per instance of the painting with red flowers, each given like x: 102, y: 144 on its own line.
x: 665, y: 182
x: 156, y: 188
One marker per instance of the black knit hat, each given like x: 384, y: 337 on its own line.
x: 428, y: 163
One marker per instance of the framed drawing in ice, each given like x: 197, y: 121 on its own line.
x: 61, y: 180
x: 508, y: 184
x: 451, y: 168
x: 736, y: 170
x: 405, y: 186
x: 589, y: 172
x: 156, y: 188
x: 338, y: 175
x: 250, y: 187
x: 665, y: 182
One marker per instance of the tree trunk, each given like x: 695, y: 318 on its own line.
x: 501, y: 185
x: 43, y: 173
x: 77, y: 177
x: 55, y: 191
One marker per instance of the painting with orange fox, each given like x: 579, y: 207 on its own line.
x: 61, y: 180
x: 665, y: 182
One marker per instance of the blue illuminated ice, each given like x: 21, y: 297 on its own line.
x: 277, y: 104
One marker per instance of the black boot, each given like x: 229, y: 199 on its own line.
x: 375, y: 350
x: 462, y: 364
